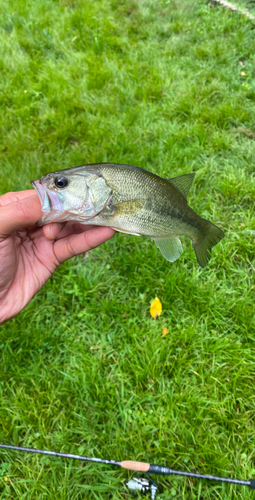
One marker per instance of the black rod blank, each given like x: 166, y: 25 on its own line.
x: 138, y: 466
x: 57, y: 454
x: 158, y: 469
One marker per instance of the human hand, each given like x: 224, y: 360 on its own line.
x: 29, y: 254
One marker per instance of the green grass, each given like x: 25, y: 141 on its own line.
x: 84, y: 368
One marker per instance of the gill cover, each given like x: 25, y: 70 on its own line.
x: 98, y: 195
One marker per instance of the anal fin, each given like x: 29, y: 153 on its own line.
x: 171, y: 248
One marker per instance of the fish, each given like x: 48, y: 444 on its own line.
x: 131, y: 200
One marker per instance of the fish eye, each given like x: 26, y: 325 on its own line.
x: 60, y: 182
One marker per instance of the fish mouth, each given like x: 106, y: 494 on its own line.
x: 50, y: 203
x: 43, y: 195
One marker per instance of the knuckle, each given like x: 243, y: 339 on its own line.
x: 87, y: 243
x: 7, y: 198
x: 69, y: 247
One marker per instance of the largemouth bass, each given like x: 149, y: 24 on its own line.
x: 130, y: 200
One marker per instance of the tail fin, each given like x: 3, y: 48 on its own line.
x: 204, y: 244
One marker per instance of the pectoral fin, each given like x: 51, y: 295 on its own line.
x: 171, y: 248
x: 127, y: 208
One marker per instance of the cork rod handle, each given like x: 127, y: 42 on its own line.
x: 138, y: 466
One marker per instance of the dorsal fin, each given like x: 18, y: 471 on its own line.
x: 182, y: 183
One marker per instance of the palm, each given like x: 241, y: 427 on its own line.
x: 28, y: 257
x: 30, y: 262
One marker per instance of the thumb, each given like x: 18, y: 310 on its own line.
x: 18, y: 215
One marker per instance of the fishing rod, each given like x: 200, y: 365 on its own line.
x: 144, y: 486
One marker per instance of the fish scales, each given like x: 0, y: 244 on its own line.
x: 128, y: 199
x: 160, y: 200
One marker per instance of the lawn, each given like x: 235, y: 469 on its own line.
x: 168, y: 86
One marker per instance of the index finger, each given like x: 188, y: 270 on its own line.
x: 19, y: 214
